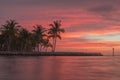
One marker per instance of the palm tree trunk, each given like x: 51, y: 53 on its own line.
x: 46, y: 49
x: 21, y: 47
x: 55, y: 39
x: 55, y: 44
x: 40, y: 47
x: 24, y: 48
x: 9, y: 43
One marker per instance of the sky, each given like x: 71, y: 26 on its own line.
x: 89, y: 24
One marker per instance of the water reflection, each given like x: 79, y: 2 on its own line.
x: 59, y: 68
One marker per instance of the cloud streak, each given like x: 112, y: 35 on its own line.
x: 80, y: 18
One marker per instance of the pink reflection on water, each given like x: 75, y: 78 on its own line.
x: 60, y: 68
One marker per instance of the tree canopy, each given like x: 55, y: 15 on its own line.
x: 14, y: 37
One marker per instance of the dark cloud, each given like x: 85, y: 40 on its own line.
x: 107, y: 5
x: 102, y: 9
x: 57, y: 3
x: 87, y: 27
x: 109, y: 11
x: 39, y: 2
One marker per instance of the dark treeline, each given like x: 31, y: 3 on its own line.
x: 14, y: 37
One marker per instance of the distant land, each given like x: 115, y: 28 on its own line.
x: 49, y: 54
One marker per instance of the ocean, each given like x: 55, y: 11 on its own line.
x: 60, y: 68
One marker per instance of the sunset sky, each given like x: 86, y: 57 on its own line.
x: 89, y: 24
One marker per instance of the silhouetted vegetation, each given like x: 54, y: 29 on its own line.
x: 54, y: 32
x: 14, y: 37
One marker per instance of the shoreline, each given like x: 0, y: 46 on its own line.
x: 6, y: 53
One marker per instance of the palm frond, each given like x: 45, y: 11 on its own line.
x: 59, y: 37
x: 61, y: 30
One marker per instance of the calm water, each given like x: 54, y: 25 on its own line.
x: 60, y: 68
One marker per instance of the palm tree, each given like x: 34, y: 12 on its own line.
x: 39, y: 33
x: 46, y: 44
x: 54, y: 32
x: 24, y: 36
x: 2, y: 42
x: 10, y: 30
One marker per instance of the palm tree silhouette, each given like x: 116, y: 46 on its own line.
x: 24, y: 37
x: 14, y: 38
x: 10, y: 30
x: 2, y: 42
x: 39, y: 33
x: 46, y: 44
x: 54, y: 32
